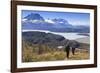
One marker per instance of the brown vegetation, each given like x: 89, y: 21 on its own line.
x: 35, y: 53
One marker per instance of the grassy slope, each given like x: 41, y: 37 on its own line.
x: 80, y: 54
x: 30, y: 53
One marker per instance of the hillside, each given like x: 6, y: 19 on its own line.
x: 41, y: 46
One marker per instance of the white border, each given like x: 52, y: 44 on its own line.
x: 53, y: 63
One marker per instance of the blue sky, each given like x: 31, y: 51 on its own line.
x: 72, y: 17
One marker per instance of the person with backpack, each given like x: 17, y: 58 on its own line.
x: 67, y: 50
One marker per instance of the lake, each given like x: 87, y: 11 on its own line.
x: 71, y: 36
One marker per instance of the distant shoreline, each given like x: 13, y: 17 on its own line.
x: 85, y: 34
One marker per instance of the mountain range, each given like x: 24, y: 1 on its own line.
x: 35, y: 21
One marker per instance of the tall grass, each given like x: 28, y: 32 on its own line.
x: 45, y: 53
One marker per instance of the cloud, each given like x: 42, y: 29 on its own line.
x: 49, y: 21
x: 76, y: 23
x: 24, y: 20
x: 32, y: 21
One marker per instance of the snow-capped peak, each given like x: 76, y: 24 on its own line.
x: 34, y: 16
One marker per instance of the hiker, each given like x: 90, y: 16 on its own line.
x: 74, y: 46
x: 67, y: 50
x: 73, y: 50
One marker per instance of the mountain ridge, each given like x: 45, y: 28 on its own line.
x: 36, y: 22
